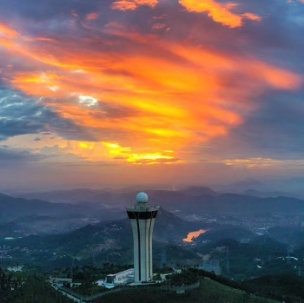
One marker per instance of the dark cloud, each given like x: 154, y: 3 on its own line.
x: 278, y: 127
x: 15, y: 157
x: 21, y: 115
x: 274, y: 39
x: 56, y: 18
x: 48, y: 9
x: 279, y: 30
x: 277, y: 34
x: 276, y: 131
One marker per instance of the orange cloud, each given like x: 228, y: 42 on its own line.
x: 118, y: 152
x: 253, y: 163
x: 151, y: 3
x: 252, y: 17
x: 7, y: 31
x: 221, y: 13
x: 165, y: 97
x: 125, y: 5
x: 97, y: 151
x: 92, y: 16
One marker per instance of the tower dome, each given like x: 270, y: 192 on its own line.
x: 142, y: 197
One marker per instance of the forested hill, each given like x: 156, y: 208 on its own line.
x: 212, y: 289
x: 27, y: 289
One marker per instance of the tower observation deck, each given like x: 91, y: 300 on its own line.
x: 142, y: 217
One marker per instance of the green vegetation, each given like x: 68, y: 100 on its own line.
x: 261, y: 256
x: 209, y: 291
x: 177, y: 254
x: 36, y: 290
x: 162, y: 270
x: 87, y: 275
x: 88, y: 289
x: 288, y: 288
x: 9, y: 287
x: 187, y: 277
x: 33, y: 290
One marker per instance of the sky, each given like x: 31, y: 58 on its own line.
x: 106, y: 93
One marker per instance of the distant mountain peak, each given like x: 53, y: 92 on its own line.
x: 199, y: 190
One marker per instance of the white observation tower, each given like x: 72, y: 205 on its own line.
x: 142, y: 217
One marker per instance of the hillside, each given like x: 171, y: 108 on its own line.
x: 289, y: 288
x: 292, y: 235
x: 248, y: 255
x: 107, y: 241
x: 260, y: 256
x: 209, y: 291
x: 17, y: 207
x: 168, y: 229
x: 225, y: 232
x: 28, y: 290
x: 19, y: 216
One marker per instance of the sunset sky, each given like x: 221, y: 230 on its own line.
x: 106, y: 93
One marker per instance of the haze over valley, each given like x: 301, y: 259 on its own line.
x: 52, y: 234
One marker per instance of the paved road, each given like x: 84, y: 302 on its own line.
x: 75, y: 299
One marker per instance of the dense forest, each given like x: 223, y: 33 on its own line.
x: 34, y: 288
x: 28, y: 289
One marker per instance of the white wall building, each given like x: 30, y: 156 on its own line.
x: 117, y: 279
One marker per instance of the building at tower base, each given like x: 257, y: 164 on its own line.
x: 142, y: 217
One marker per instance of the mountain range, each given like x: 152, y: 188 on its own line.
x: 199, y: 200
x: 77, y: 208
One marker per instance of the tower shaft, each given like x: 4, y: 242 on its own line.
x: 142, y: 222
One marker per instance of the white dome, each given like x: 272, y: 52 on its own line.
x: 142, y: 198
